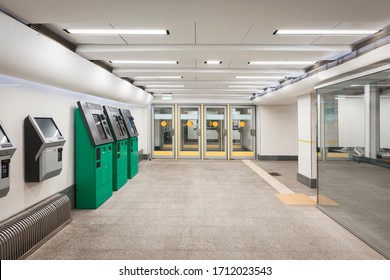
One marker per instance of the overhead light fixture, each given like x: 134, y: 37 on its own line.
x: 280, y: 62
x: 144, y: 62
x: 357, y: 85
x: 214, y: 62
x: 260, y: 77
x: 324, y: 32
x: 166, y: 96
x: 118, y: 31
x: 156, y: 77
x: 242, y: 86
x: 165, y: 86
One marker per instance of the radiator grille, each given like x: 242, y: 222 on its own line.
x: 25, y: 231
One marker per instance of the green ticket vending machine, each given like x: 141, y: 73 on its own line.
x: 133, y: 143
x: 93, y: 156
x: 120, y: 146
x: 7, y: 149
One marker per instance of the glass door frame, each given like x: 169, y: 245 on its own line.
x: 189, y: 154
x: 214, y: 154
x: 164, y: 154
x: 243, y: 154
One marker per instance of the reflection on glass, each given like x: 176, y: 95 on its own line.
x: 163, y: 125
x: 215, y: 127
x: 354, y: 173
x: 189, y: 121
x: 242, y: 125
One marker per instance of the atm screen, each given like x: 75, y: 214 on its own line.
x: 132, y: 126
x: 48, y: 127
x: 3, y: 137
x: 119, y: 126
x: 99, y: 126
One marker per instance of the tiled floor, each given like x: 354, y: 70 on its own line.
x: 209, y: 209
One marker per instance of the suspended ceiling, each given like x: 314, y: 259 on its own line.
x: 234, y: 32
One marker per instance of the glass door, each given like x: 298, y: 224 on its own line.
x: 163, y: 132
x: 215, y: 137
x: 242, y: 131
x: 189, y: 132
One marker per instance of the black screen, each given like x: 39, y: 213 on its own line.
x: 3, y: 137
x: 119, y: 125
x: 48, y: 127
x: 133, y: 129
x: 99, y: 126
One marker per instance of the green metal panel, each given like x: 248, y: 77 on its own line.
x: 132, y: 157
x: 93, y: 176
x: 120, y: 164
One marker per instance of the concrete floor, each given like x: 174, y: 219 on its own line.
x: 203, y: 209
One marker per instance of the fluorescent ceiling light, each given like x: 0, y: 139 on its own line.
x: 165, y: 86
x: 256, y: 86
x: 144, y: 62
x: 323, y: 32
x: 156, y: 77
x: 260, y: 77
x: 357, y: 85
x: 280, y: 62
x: 166, y: 96
x: 118, y: 31
x: 213, y: 62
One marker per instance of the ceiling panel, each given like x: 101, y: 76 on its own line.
x: 222, y: 32
x: 234, y: 32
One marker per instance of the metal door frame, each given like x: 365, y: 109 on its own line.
x: 253, y: 128
x: 205, y: 107
x: 173, y: 132
x: 179, y: 128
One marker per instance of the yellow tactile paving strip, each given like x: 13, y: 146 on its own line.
x: 324, y: 200
x: 296, y: 199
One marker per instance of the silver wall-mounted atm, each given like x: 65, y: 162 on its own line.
x: 7, y: 149
x: 43, y: 146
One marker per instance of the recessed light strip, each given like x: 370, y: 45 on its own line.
x: 260, y: 77
x: 280, y: 62
x: 213, y: 62
x: 118, y: 31
x: 164, y: 86
x: 144, y: 62
x: 324, y: 32
x: 255, y: 86
x: 156, y: 77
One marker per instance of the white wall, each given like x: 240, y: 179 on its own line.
x: 278, y: 130
x: 351, y: 122
x: 307, y: 161
x: 384, y: 122
x: 18, y: 99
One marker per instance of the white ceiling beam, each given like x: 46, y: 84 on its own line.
x: 83, y: 49
x: 129, y: 72
x: 203, y: 90
x: 205, y: 82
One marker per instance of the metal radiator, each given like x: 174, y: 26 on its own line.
x: 20, y: 234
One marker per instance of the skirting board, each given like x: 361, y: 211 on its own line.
x: 278, y: 158
x: 311, y: 183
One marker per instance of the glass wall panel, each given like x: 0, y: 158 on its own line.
x: 354, y: 167
x: 163, y: 132
x: 242, y: 132
x: 215, y: 136
x: 189, y: 132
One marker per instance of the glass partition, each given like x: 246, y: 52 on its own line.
x: 163, y: 131
x: 354, y: 156
x: 189, y: 132
x: 215, y: 136
x: 242, y: 133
